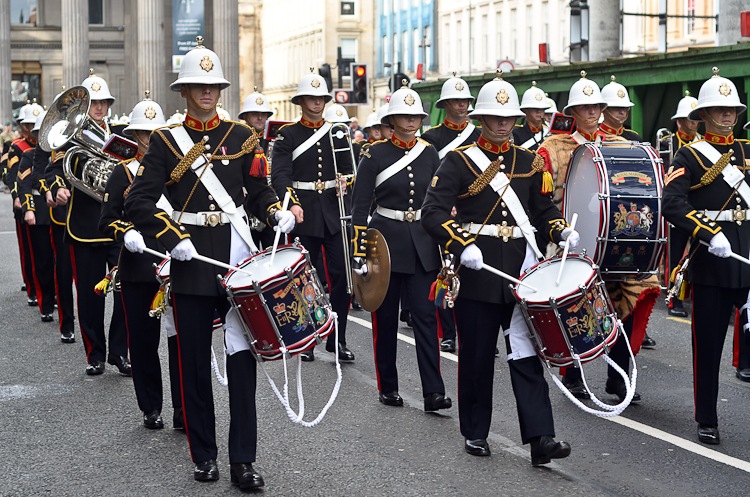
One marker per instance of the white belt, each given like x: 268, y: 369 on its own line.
x: 728, y: 215
x: 495, y: 230
x: 410, y: 216
x: 35, y: 192
x: 318, y: 186
x: 206, y: 218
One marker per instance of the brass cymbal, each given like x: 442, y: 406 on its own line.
x: 371, y: 287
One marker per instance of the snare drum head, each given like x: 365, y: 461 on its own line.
x: 577, y: 271
x: 259, y: 266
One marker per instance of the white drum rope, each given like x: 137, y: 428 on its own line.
x: 222, y: 378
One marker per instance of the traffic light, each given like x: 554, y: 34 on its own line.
x: 360, y: 84
x: 325, y: 71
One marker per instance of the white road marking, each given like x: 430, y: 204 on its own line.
x: 7, y: 232
x: 693, y: 447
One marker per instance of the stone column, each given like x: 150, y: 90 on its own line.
x: 6, y: 106
x: 227, y: 47
x: 150, y: 59
x: 75, y: 41
x: 604, y: 29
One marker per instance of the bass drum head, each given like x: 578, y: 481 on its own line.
x: 582, y: 188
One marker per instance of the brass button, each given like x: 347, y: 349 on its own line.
x: 411, y: 200
x: 320, y: 166
x: 208, y: 147
x: 320, y: 151
x: 734, y: 158
x: 502, y: 166
x: 210, y: 197
x: 505, y: 213
x: 320, y: 174
x: 408, y: 168
x: 212, y: 207
x: 205, y: 138
x: 411, y: 192
x: 411, y: 175
x: 411, y: 183
x: 320, y: 159
x: 318, y: 144
x: 502, y: 204
x: 208, y: 156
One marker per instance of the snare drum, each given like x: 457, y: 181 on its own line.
x: 574, y: 317
x: 616, y: 190
x: 162, y: 271
x: 280, y: 306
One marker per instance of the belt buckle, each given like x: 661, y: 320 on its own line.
x: 213, y: 219
x: 410, y: 215
x: 505, y: 231
x: 320, y: 186
x: 739, y: 215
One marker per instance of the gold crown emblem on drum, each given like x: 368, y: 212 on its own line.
x: 725, y: 90
x: 259, y: 101
x: 502, y: 96
x: 459, y: 86
x: 315, y: 83
x: 538, y: 97
x: 409, y: 100
x: 206, y: 63
x: 95, y: 86
x: 621, y: 93
x: 279, y: 308
x: 150, y: 113
x: 588, y: 91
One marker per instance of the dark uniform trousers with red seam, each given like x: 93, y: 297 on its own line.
x: 27, y: 265
x: 741, y: 343
x: 90, y: 262
x: 385, y: 330
x: 43, y: 258
x: 63, y: 278
x: 477, y: 336
x: 194, y: 316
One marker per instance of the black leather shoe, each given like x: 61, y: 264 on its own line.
x: 95, y: 368
x: 32, y: 302
x: 355, y: 304
x: 67, y: 337
x: 47, y: 318
x: 544, y: 449
x: 23, y: 288
x: 709, y: 434
x: 576, y: 387
x: 436, y: 401
x: 122, y: 363
x: 405, y: 316
x: 497, y: 352
x: 178, y: 420
x: 616, y: 386
x: 391, y: 399
x: 344, y: 353
x: 308, y: 355
x: 448, y: 345
x: 206, y: 471
x: 677, y: 309
x: 478, y: 447
x: 152, y: 420
x: 648, y: 342
x: 245, y: 476
x: 743, y: 374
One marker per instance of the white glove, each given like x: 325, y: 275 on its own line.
x: 720, y: 246
x: 360, y: 266
x: 133, y: 241
x: 184, y: 251
x: 571, y: 236
x: 285, y: 220
x: 472, y: 258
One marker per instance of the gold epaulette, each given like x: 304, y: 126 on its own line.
x: 463, y: 147
x: 426, y: 143
x: 287, y: 124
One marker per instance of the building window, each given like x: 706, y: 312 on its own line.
x: 545, y: 20
x: 485, y: 39
x: 529, y: 33
x: 96, y: 11
x: 514, y: 34
x: 415, y: 44
x: 499, y: 35
x: 690, y: 21
x: 428, y: 49
x: 25, y: 82
x: 396, y: 53
x: 347, y: 8
x: 23, y: 12
x: 472, y: 45
x: 459, y: 45
x: 387, y: 7
x: 447, y: 46
x: 405, y: 51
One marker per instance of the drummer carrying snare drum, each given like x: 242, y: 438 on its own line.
x: 499, y: 190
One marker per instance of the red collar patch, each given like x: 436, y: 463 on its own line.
x: 493, y: 147
x: 455, y: 127
x: 684, y: 136
x: 309, y: 124
x: 611, y: 130
x: 402, y: 144
x: 198, y: 125
x: 591, y: 137
x: 139, y: 157
x: 719, y: 139
x: 533, y: 129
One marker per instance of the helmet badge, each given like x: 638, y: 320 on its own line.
x: 459, y: 86
x: 35, y: 112
x: 150, y: 113
x: 588, y: 91
x: 694, y: 105
x: 95, y: 86
x: 502, y: 96
x: 315, y: 83
x: 339, y: 113
x: 538, y: 97
x: 259, y: 101
x: 621, y: 93
x: 206, y: 63
x: 725, y: 90
x: 409, y: 100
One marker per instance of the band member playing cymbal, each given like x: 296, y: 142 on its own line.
x: 499, y: 190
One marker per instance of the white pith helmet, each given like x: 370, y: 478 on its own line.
x: 685, y: 106
x: 32, y: 112
x: 255, y: 102
x: 534, y: 98
x: 223, y: 115
x: 22, y: 112
x: 717, y: 92
x: 404, y: 102
x: 98, y: 88
x: 616, y: 95
x: 552, y: 109
x: 38, y: 123
x: 312, y: 85
x: 381, y: 114
x: 584, y: 92
x: 371, y: 121
x: 497, y: 98
x: 146, y: 116
x: 200, y: 66
x: 337, y: 114
x: 454, y: 88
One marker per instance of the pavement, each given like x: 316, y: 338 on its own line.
x: 64, y: 433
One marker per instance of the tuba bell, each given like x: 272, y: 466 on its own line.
x: 68, y: 122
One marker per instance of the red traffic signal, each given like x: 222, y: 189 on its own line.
x: 360, y: 84
x: 361, y: 71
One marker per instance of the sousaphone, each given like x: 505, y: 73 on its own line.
x: 371, y: 287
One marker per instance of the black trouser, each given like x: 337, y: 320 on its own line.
x: 90, y: 265
x: 446, y: 323
x: 24, y: 254
x: 385, y: 331
x: 63, y: 279
x: 43, y: 258
x: 741, y: 345
x: 194, y: 316
x: 333, y: 252
x: 477, y: 337
x: 712, y: 310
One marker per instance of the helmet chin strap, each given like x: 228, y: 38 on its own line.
x: 138, y: 139
x: 620, y: 121
x: 723, y: 127
x: 582, y: 119
x: 401, y: 129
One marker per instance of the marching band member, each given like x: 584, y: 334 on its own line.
x: 303, y: 165
x: 255, y: 112
x: 394, y: 175
x: 617, y: 111
x: 633, y: 299
x: 477, y: 179
x: 707, y: 196
x: 90, y: 251
x: 136, y: 276
x: 31, y: 188
x: 534, y: 104
x: 205, y: 163
x: 687, y: 132
x: 551, y: 110
x: 372, y: 130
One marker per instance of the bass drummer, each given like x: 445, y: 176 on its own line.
x: 617, y: 111
x: 633, y: 299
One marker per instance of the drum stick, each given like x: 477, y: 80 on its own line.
x: 278, y: 231
x: 506, y: 276
x: 732, y: 255
x: 567, y: 246
x: 201, y: 258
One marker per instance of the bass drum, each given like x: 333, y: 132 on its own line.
x: 616, y: 189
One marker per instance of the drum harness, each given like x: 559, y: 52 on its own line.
x: 457, y: 141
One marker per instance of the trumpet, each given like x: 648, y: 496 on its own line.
x: 660, y: 135
x: 339, y: 134
x: 68, y: 122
